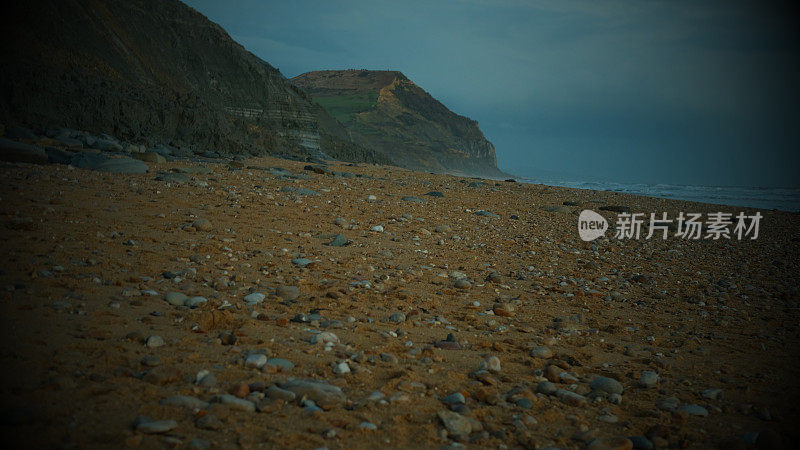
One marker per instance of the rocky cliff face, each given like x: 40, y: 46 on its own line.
x: 154, y: 71
x: 386, y: 111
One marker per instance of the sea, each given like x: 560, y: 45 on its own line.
x: 784, y: 199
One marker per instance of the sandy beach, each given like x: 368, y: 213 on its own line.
x: 192, y: 311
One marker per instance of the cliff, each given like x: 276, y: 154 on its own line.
x: 155, y: 71
x: 386, y: 111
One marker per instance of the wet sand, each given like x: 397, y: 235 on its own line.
x: 90, y: 256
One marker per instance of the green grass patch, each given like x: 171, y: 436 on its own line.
x: 345, y: 107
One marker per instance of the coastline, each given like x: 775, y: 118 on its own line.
x: 90, y: 257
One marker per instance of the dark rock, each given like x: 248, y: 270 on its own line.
x: 18, y: 152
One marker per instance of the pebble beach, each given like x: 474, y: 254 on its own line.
x: 271, y: 303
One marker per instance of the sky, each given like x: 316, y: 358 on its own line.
x: 673, y: 91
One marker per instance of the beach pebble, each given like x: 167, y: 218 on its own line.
x: 323, y: 394
x: 255, y: 361
x: 397, y: 317
x: 287, y: 292
x: 194, y: 302
x: 668, y: 404
x: 341, y: 368
x: 276, y: 393
x: 202, y: 225
x: 648, y: 379
x: 275, y: 365
x: 711, y: 393
x: 235, y: 403
x: 458, y: 427
x: 325, y: 337
x: 156, y: 426
x: 546, y: 387
x: 492, y: 364
x: 155, y: 341
x: 254, y: 298
x: 176, y: 298
x: 541, y: 351
x: 571, y: 398
x: 607, y: 385
x: 184, y: 401
x: 693, y: 410
x: 462, y: 283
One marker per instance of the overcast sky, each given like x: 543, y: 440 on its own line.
x: 685, y: 92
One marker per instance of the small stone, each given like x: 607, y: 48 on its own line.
x: 606, y: 384
x: 240, y: 390
x: 524, y: 403
x: 546, y: 387
x: 301, y: 262
x: 492, y: 364
x: 454, y: 399
x: 367, y: 426
x: 194, y: 302
x: 256, y: 361
x: 198, y: 444
x: 641, y: 443
x: 202, y: 225
x: 156, y: 426
x: 324, y: 395
x: 462, y: 283
x: 209, y: 422
x: 377, y: 229
x: 668, y: 404
x: 287, y: 292
x: 693, y: 410
x: 338, y: 241
x: 184, y: 401
x: 648, y: 379
x: 325, y: 337
x: 151, y: 360
x: 341, y: 368
x: 155, y: 341
x: 504, y: 310
x: 712, y: 393
x: 371, y: 198
x: 275, y: 365
x: 571, y: 398
x: 176, y: 298
x: 254, y: 298
x: 236, y: 403
x: 208, y: 380
x: 276, y: 393
x: 227, y: 338
x: 397, y: 317
x: 457, y: 426
x: 541, y: 351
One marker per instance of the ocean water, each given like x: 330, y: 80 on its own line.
x: 784, y: 199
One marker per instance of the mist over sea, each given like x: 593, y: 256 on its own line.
x: 784, y: 199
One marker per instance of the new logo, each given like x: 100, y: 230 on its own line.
x: 591, y: 225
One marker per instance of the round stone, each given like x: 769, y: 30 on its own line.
x: 607, y: 385
x: 155, y: 341
x: 202, y: 225
x: 176, y: 298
